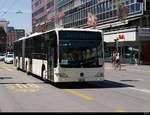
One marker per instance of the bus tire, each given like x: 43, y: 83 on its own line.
x: 18, y: 68
x: 44, y: 75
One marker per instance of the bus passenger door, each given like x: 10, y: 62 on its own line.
x: 50, y: 57
x: 23, y: 55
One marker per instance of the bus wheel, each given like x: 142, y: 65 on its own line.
x: 27, y: 69
x: 44, y: 75
x: 18, y: 68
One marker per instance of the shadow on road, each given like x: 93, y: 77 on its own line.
x: 84, y: 85
x: 90, y: 85
x: 2, y: 78
x: 23, y: 83
x: 75, y: 85
x: 129, y: 80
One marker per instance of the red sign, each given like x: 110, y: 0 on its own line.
x: 92, y: 20
x: 121, y: 37
x: 61, y: 15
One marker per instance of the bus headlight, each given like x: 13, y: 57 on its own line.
x: 99, y: 74
x: 61, y: 75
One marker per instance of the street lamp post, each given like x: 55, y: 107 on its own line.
x: 116, y: 44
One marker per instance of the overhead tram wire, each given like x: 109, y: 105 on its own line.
x: 9, y: 8
x: 3, y: 4
x: 3, y: 7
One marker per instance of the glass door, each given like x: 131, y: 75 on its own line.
x: 50, y: 66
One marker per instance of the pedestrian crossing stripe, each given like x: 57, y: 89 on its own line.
x: 6, y: 65
x: 27, y: 85
x: 9, y: 66
x: 33, y: 85
x: 21, y: 86
x: 24, y: 88
x: 7, y: 69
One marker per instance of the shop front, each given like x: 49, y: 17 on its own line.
x: 135, y: 40
x: 127, y: 45
x: 144, y: 39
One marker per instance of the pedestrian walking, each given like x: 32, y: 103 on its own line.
x: 113, y: 59
x: 117, y: 61
x: 136, y: 58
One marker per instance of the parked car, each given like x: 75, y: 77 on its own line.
x: 2, y: 57
x: 9, y: 58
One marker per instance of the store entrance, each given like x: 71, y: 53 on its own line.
x: 145, y: 49
x: 127, y: 51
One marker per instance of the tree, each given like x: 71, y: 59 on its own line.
x: 2, y: 39
x: 2, y: 32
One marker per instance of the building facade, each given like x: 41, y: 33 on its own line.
x: 3, y: 35
x: 13, y: 35
x: 134, y: 29
x: 43, y: 15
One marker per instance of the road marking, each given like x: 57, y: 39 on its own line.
x: 108, y: 68
x: 10, y: 86
x: 78, y: 94
x: 6, y: 65
x: 33, y: 85
x: 7, y: 69
x: 14, y: 67
x: 21, y: 86
x: 142, y: 90
x: 9, y: 66
x: 147, y: 69
x: 141, y: 70
x: 119, y: 111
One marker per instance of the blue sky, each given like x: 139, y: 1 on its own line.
x: 8, y: 9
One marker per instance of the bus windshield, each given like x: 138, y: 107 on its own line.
x: 81, y: 51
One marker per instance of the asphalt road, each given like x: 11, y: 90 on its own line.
x: 127, y: 90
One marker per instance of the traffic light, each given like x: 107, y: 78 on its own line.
x: 139, y: 0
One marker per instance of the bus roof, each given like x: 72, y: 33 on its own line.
x: 32, y: 35
x: 60, y: 29
x: 74, y: 29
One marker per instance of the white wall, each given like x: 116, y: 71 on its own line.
x: 130, y: 35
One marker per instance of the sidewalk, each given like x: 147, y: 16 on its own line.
x: 129, y: 66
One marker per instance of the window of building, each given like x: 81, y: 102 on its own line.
x: 132, y: 8
x: 132, y: 1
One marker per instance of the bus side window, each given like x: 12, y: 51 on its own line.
x: 53, y: 45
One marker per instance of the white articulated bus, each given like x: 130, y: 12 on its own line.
x: 62, y: 55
